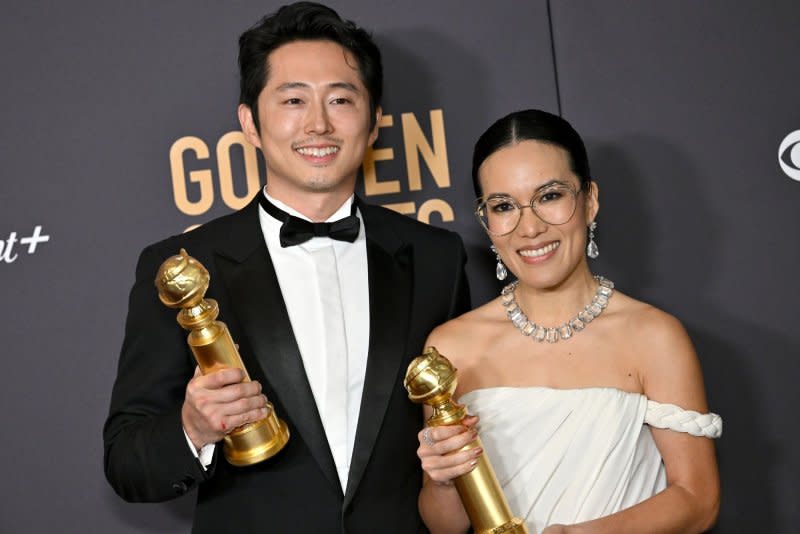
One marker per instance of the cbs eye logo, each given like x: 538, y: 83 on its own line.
x: 789, y: 155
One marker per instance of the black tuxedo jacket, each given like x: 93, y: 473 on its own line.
x: 416, y: 281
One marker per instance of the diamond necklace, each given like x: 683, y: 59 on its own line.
x: 541, y: 333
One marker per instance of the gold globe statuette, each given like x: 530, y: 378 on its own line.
x: 182, y: 281
x: 431, y: 379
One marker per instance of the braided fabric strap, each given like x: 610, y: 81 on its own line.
x: 673, y: 417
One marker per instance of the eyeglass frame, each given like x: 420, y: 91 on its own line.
x: 481, y: 200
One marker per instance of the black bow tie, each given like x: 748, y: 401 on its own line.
x: 295, y: 230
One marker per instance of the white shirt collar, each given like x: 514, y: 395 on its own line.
x: 343, y: 211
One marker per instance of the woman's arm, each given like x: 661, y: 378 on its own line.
x: 670, y: 373
x: 439, y: 503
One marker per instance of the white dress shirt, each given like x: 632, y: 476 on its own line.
x: 297, y: 277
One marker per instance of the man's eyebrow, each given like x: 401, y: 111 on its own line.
x: 292, y: 85
x: 344, y: 85
x: 302, y: 85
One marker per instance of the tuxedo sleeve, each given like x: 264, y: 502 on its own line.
x: 146, y: 455
x: 460, y: 298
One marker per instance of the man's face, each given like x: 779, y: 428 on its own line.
x: 314, y: 118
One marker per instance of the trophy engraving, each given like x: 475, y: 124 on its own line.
x: 431, y: 379
x: 182, y: 281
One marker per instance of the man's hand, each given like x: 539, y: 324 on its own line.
x: 217, y: 403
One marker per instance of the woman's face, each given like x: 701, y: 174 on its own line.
x: 540, y: 254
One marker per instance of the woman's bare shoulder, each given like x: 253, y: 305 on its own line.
x: 647, y: 325
x: 466, y: 333
x: 667, y: 360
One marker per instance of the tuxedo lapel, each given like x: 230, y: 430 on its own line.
x: 252, y: 285
x: 390, y: 288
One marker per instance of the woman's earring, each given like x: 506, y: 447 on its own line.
x: 500, y: 271
x: 591, y: 249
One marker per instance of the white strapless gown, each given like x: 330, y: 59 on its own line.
x: 572, y: 455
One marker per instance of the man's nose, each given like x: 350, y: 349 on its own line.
x: 317, y: 120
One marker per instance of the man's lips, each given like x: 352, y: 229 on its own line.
x: 317, y: 151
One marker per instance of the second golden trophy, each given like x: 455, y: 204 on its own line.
x: 182, y: 282
x: 431, y: 379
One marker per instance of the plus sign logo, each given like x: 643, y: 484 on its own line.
x: 8, y: 254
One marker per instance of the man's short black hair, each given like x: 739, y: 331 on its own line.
x: 305, y: 21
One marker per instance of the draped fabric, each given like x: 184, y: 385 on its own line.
x: 566, y: 456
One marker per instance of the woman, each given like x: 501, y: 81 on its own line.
x: 592, y: 405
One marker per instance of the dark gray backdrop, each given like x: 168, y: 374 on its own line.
x: 683, y: 105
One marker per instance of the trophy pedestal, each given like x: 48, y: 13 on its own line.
x: 515, y: 526
x: 255, y: 442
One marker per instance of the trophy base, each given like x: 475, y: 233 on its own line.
x: 255, y: 442
x: 515, y: 526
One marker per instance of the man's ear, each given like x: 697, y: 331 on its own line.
x: 373, y: 135
x: 248, y: 125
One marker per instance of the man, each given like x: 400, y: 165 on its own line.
x: 326, y: 327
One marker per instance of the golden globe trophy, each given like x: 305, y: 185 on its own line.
x: 182, y: 281
x: 431, y: 379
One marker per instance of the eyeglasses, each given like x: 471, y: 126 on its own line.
x: 500, y: 214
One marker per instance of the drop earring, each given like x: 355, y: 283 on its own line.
x: 500, y: 271
x: 591, y: 248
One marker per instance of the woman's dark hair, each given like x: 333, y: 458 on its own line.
x: 531, y: 125
x: 305, y: 21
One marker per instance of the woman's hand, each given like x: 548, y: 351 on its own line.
x: 439, y: 450
x: 556, y: 529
